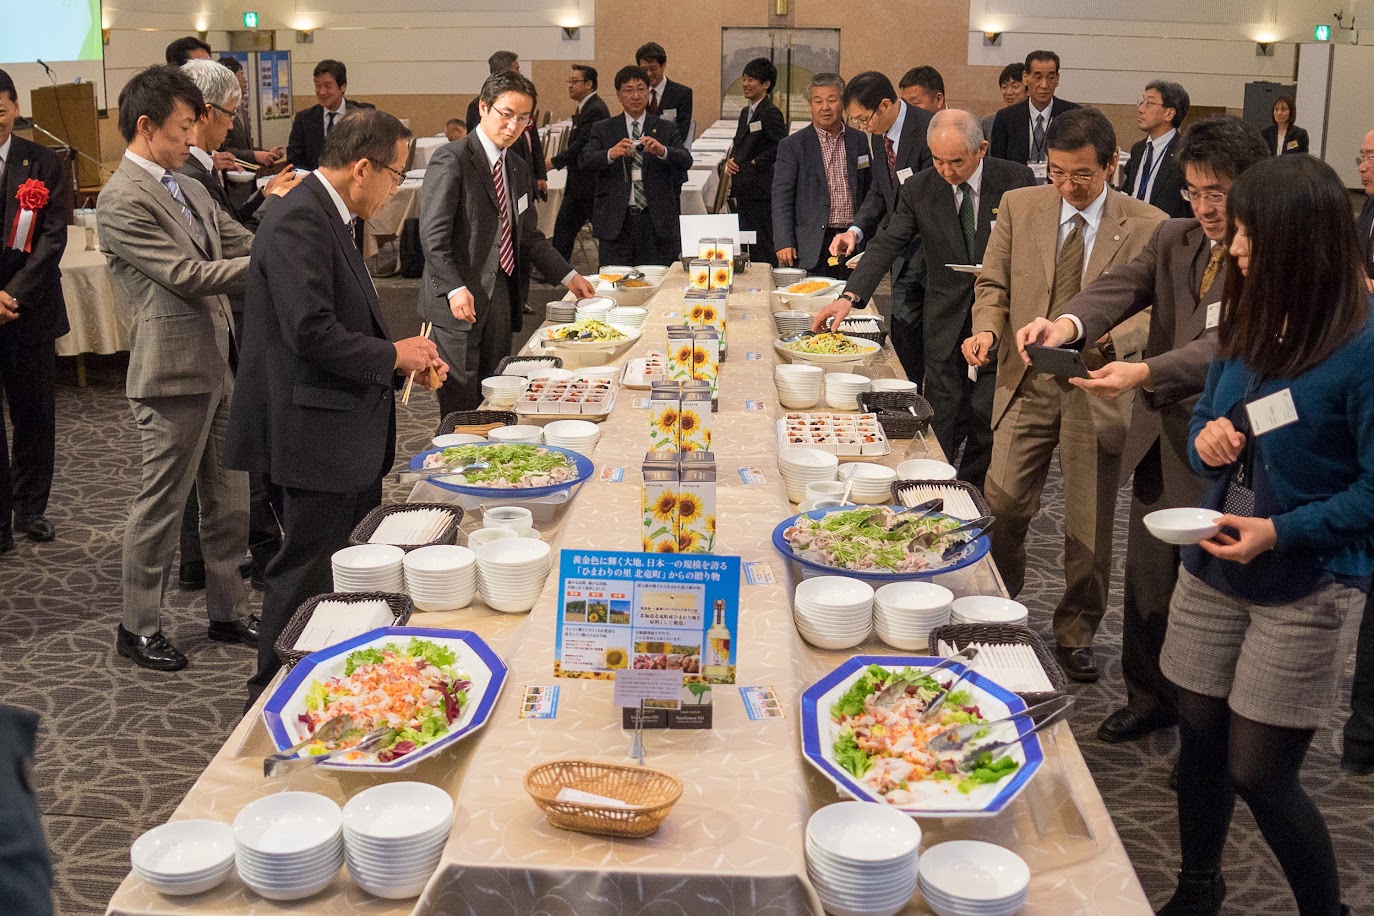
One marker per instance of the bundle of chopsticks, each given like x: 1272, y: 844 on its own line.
x: 425, y: 328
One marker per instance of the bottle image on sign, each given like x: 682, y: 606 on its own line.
x: 717, y: 660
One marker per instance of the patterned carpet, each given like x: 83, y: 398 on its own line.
x: 119, y: 746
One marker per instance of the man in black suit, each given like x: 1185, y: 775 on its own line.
x: 480, y: 236
x: 923, y: 87
x: 239, y: 140
x: 1153, y: 173
x: 528, y: 147
x: 951, y: 207
x: 1365, y: 223
x: 184, y: 49
x: 817, y: 183
x: 667, y: 99
x: 33, y: 314
x: 579, y: 189
x: 1018, y: 131
x: 313, y: 408
x: 310, y: 127
x: 640, y: 165
x: 897, y: 150
x: 761, y: 128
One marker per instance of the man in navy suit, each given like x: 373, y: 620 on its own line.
x: 817, y: 183
x: 1018, y: 131
x: 667, y: 99
x: 640, y: 165
x: 1153, y: 173
x: 311, y: 126
x: 761, y: 129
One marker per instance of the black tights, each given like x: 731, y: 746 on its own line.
x: 1222, y: 755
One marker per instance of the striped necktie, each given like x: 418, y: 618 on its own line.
x: 638, y: 197
x: 192, y: 222
x: 507, y: 257
x: 1068, y: 268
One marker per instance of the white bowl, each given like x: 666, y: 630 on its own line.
x: 974, y: 871
x: 1183, y: 526
x: 805, y: 459
x: 893, y: 384
x: 913, y: 598
x: 367, y: 557
x: 864, y: 832
x: 398, y: 810
x: 514, y: 552
x: 926, y: 469
x: 834, y: 591
x: 516, y: 518
x: 525, y: 434
x: 830, y: 642
x: 824, y: 489
x: 440, y: 560
x: 453, y: 440
x: 287, y: 823
x: 186, y: 849
x: 847, y: 381
x: 482, y: 536
x: 987, y: 609
x: 572, y: 429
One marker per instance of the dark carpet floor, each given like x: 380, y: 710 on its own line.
x: 119, y: 746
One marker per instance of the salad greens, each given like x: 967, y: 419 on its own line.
x: 868, y: 538
x: 586, y: 329
x: 511, y: 465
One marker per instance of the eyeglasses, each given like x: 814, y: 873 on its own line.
x: 1148, y: 103
x: 1362, y: 157
x: 574, y: 82
x: 1215, y: 198
x: 510, y: 117
x: 221, y: 109
x: 1079, y: 178
x: 399, y: 176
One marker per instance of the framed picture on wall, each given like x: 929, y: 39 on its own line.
x: 799, y: 54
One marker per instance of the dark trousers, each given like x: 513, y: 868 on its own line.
x: 573, y: 213
x: 908, y: 309
x: 823, y: 267
x: 963, y: 413
x: 909, y: 346
x: 315, y: 525
x: 27, y: 377
x: 1359, y: 729
x: 25, y: 863
x: 264, y: 530
x: 638, y: 243
x: 472, y: 354
x: 1151, y: 574
x: 757, y: 216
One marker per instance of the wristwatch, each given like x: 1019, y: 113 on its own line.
x: 858, y: 302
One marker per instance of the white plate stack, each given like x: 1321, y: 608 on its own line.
x: 511, y: 573
x: 562, y: 311
x: 184, y: 857
x: 972, y: 878
x: 442, y: 577
x: 872, y: 482
x: 502, y: 391
x: 799, y: 385
x: 394, y: 834
x: 594, y: 308
x: 369, y: 568
x: 862, y: 858
x: 904, y: 613
x: 289, y: 845
x: 627, y: 316
x: 893, y: 384
x: 575, y: 435
x: 801, y: 466
x: 790, y: 323
x: 833, y: 612
x: 988, y: 609
x: 842, y: 389
x: 654, y: 273
x: 524, y: 434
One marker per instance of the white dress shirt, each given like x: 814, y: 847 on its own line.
x: 1148, y: 181
x: 5, y: 153
x: 149, y: 166
x: 975, y: 183
x: 337, y: 112
x: 345, y: 214
x: 204, y: 159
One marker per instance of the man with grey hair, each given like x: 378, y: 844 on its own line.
x: 952, y: 207
x: 818, y: 185
x: 1152, y: 174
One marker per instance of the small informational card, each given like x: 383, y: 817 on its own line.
x: 612, y: 475
x: 647, y: 685
x: 759, y: 572
x: 761, y: 703
x: 641, y: 403
x: 752, y: 477
x: 670, y: 314
x: 754, y: 405
x: 540, y: 702
x: 743, y: 316
x: 752, y: 357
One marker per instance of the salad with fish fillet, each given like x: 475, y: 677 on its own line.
x: 872, y: 539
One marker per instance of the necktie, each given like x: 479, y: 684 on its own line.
x: 1068, y: 268
x: 1038, y: 153
x: 1144, y: 176
x: 1209, y: 274
x: 637, y: 196
x: 966, y: 219
x: 192, y: 222
x: 891, y: 158
x: 653, y: 102
x: 328, y: 122
x: 507, y: 258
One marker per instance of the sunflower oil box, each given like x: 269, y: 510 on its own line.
x: 708, y: 309
x: 706, y: 360
x: 659, y: 528
x: 696, y: 502
x: 679, y: 364
x: 665, y: 412
x: 694, y: 418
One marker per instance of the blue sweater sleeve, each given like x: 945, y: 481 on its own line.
x: 1205, y: 412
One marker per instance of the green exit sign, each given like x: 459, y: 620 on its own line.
x: 250, y: 20
x: 1322, y: 33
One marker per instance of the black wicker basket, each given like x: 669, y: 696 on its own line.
x: 363, y: 531
x: 891, y: 407
x: 472, y: 420
x: 961, y: 634
x: 979, y: 502
x: 555, y: 362
x: 401, y: 609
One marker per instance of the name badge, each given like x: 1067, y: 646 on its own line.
x: 522, y: 204
x: 903, y: 175
x: 1272, y: 412
x: 669, y: 113
x: 863, y: 162
x: 636, y: 174
x: 1292, y: 144
x: 1040, y: 170
x: 755, y: 126
x: 1213, y: 316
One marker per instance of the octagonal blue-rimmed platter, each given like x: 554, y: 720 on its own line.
x: 581, y: 462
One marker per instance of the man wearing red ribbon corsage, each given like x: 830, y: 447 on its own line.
x: 33, y: 314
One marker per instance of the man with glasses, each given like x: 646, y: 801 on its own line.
x: 640, y: 165
x: 1018, y: 131
x: 1153, y: 173
x: 1364, y: 161
x: 579, y: 189
x: 666, y: 99
x: 480, y: 235
x: 1048, y: 244
x: 1179, y: 277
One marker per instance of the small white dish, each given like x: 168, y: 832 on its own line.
x: 926, y: 469
x: 483, y: 536
x: 453, y: 440
x: 516, y: 518
x: 1183, y: 526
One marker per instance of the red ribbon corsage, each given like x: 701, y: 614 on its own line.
x: 32, y: 195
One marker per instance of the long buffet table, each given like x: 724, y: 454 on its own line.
x: 733, y: 844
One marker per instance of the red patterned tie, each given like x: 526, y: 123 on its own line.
x: 653, y: 102
x: 891, y: 157
x: 507, y: 243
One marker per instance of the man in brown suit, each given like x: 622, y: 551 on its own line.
x: 1180, y: 275
x: 1048, y: 243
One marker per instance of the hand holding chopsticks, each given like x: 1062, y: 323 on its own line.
x: 419, y: 355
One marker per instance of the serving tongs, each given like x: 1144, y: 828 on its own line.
x: 288, y: 762
x: 414, y: 476
x: 953, y: 739
x: 631, y: 275
x: 921, y: 510
x: 939, y: 699
x: 897, y: 689
x: 999, y: 748
x: 928, y: 539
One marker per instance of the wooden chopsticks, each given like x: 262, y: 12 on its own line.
x: 425, y: 328
x: 246, y: 166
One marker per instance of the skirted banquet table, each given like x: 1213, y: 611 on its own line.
x: 96, y: 308
x: 734, y: 843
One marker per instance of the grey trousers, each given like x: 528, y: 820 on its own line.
x: 182, y: 438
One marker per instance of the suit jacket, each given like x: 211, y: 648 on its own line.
x: 1364, y: 225
x: 926, y: 209
x: 579, y: 185
x: 1164, y: 278
x: 801, y: 195
x: 313, y: 403
x: 756, y: 150
x: 306, y: 142
x: 1018, y: 276
x: 1011, y: 130
x: 912, y: 153
x: 1168, y: 179
x: 676, y: 106
x: 1294, y: 141
x: 180, y: 337
x: 34, y: 278
x: 530, y: 147
x: 663, y: 178
x: 460, y: 226
x: 220, y: 195
x: 239, y: 140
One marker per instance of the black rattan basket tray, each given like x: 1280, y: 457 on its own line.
x: 979, y: 502
x: 401, y: 609
x: 961, y: 634
x: 879, y: 336
x: 460, y: 419
x: 554, y: 361
x: 891, y: 408
x: 368, y: 526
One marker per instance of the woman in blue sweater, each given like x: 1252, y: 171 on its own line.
x: 1285, y: 429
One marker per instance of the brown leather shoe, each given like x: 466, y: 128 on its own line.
x: 1080, y: 664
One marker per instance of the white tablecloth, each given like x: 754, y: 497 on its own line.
x: 712, y: 144
x: 387, y: 223
x: 698, y: 193
x: 96, y: 308
x: 424, y: 148
x: 718, y: 133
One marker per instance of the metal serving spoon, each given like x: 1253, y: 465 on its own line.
x: 409, y: 476
x: 331, y: 730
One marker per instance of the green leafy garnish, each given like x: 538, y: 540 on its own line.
x: 987, y: 771
x: 508, y: 463
x: 850, y: 756
x: 372, y: 655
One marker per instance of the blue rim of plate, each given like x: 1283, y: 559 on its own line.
x: 811, y: 738
x: 585, y: 469
x: 979, y: 549
x: 303, y: 672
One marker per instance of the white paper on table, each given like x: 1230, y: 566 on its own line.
x: 578, y: 797
x: 336, y: 621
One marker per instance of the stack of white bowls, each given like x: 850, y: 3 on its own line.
x: 799, y: 385
x: 552, y: 373
x: 892, y: 384
x: 562, y: 311
x: 987, y: 609
x: 394, y: 834
x: 289, y: 845
x: 595, y: 308
x: 842, y: 389
x: 453, y: 440
x: 654, y: 273
x: 926, y: 469
x: 576, y: 435
x: 369, y: 568
x: 801, y: 466
x: 609, y: 373
x: 872, y: 482
x: 627, y: 316
x: 184, y: 857
x: 508, y: 435
x: 442, y: 577
x: 972, y: 878
x: 833, y: 612
x: 503, y: 391
x: 786, y: 276
x: 792, y: 323
x: 511, y: 573
x: 863, y: 858
x: 904, y: 613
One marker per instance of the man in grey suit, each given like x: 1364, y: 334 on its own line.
x: 1181, y: 272
x: 177, y: 256
x: 480, y: 235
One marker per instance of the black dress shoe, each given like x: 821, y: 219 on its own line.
x: 244, y: 630
x: 6, y: 542
x: 1128, y: 725
x: 529, y: 310
x: 1173, y: 777
x: 191, y: 576
x: 1079, y: 664
x: 34, y: 527
x: 1348, y: 764
x: 245, y: 567
x: 155, y: 652
x: 1198, y: 894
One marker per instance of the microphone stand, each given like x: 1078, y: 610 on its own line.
x: 72, y: 152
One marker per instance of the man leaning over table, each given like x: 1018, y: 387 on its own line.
x: 33, y: 314
x: 1049, y: 242
x: 579, y: 189
x: 1179, y: 276
x: 755, y: 149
